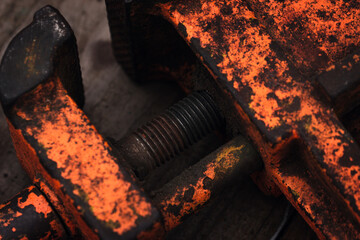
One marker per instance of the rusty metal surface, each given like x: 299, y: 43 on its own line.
x: 74, y: 167
x: 312, y: 33
x: 280, y: 109
x: 340, y: 83
x: 266, y: 73
x: 64, y: 154
x: 164, y: 137
x: 44, y: 49
x: 30, y: 216
x: 73, y: 158
x: 193, y: 188
x: 264, y: 55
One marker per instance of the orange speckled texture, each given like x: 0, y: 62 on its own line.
x: 316, y: 32
x: 200, y: 196
x: 85, y: 171
x: 194, y: 187
x: 30, y: 215
x: 252, y: 65
x: 37, y: 202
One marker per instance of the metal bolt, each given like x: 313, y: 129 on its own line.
x: 167, y: 135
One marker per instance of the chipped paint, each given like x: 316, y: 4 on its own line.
x: 249, y: 58
x: 324, y: 29
x: 31, y: 163
x: 200, y: 196
x: 66, y: 137
x: 268, y: 88
x: 238, y: 45
x: 37, y: 202
x: 27, y: 210
x: 189, y: 191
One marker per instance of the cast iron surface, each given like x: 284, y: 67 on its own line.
x: 193, y: 188
x: 139, y: 103
x: 277, y: 102
x: 169, y: 134
x: 63, y: 153
x: 265, y: 55
x: 340, y: 82
x: 46, y: 48
x: 29, y: 215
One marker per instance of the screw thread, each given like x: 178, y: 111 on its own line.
x: 180, y: 126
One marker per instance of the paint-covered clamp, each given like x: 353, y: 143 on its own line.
x: 80, y: 188
x: 263, y: 56
x: 29, y: 215
x: 69, y: 161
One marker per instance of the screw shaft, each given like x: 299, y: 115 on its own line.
x: 167, y: 135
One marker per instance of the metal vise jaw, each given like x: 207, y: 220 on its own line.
x: 276, y: 67
x: 83, y: 187
x: 79, y: 188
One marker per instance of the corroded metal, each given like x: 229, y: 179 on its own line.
x: 77, y: 178
x: 64, y: 155
x: 162, y: 138
x: 101, y: 197
x: 341, y: 82
x: 264, y: 56
x: 46, y: 48
x: 281, y: 106
x: 29, y: 215
x: 186, y: 193
x: 78, y: 181
x: 312, y: 33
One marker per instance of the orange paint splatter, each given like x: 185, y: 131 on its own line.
x: 224, y: 161
x: 356, y: 58
x: 249, y: 62
x: 95, y: 174
x: 38, y: 202
x: 309, y: 27
x: 4, y: 205
x: 200, y: 197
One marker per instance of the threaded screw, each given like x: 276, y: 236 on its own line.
x: 167, y: 135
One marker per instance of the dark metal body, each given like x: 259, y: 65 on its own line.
x: 30, y: 215
x: 167, y: 135
x: 279, y: 71
x: 82, y: 187
x: 70, y: 163
x: 277, y: 76
x: 187, y: 192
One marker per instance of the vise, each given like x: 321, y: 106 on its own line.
x: 279, y: 79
